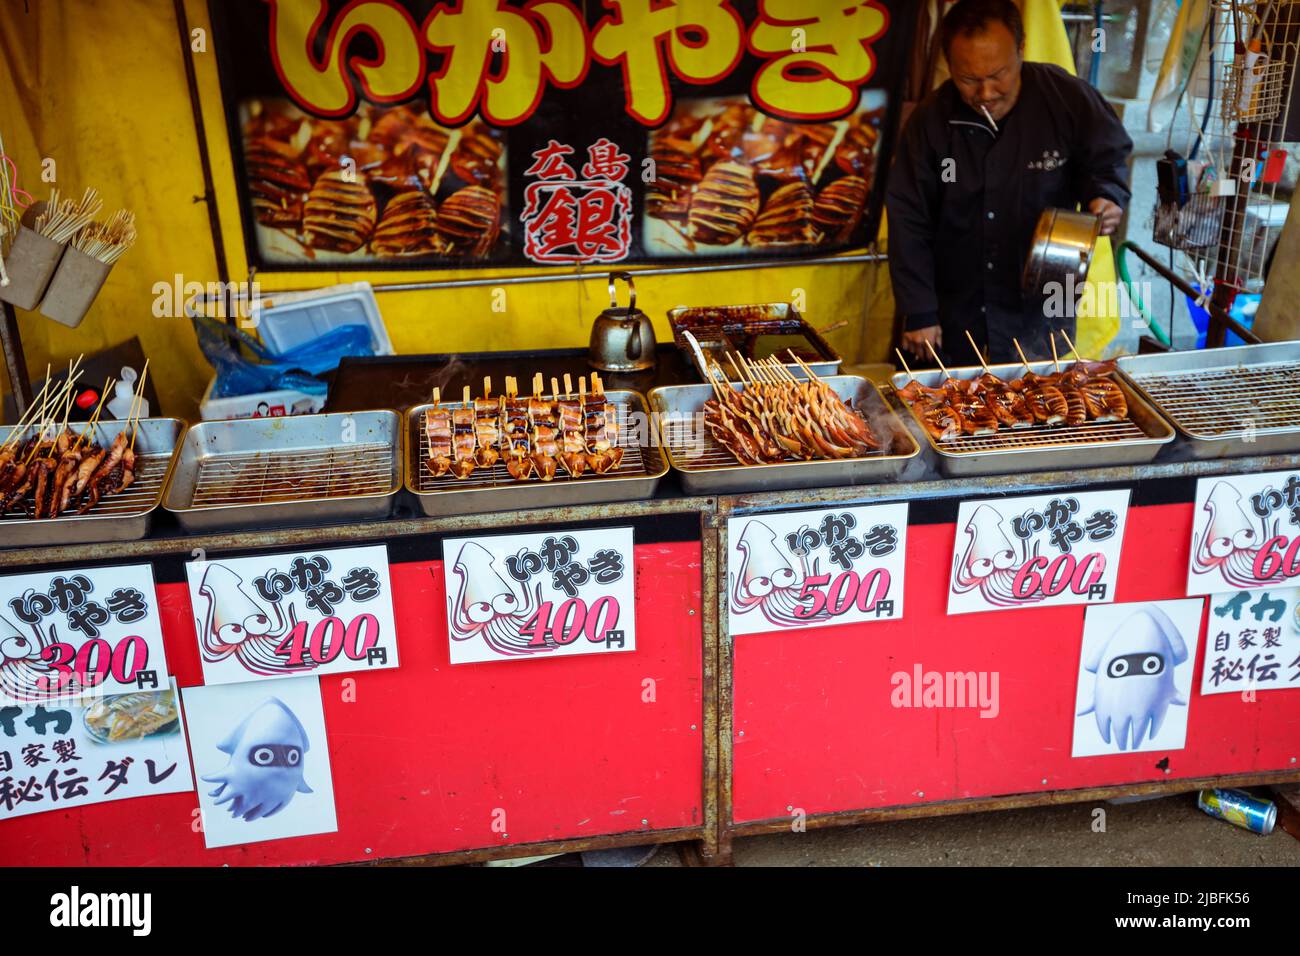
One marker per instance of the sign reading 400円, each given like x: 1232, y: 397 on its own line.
x: 1037, y: 551
x: 66, y: 633
x: 294, y: 614
x: 800, y: 569
x: 550, y: 594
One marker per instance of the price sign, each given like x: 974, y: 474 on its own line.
x: 799, y: 569
x: 1252, y: 642
x: 552, y: 594
x: 1037, y: 551
x: 66, y: 633
x: 1245, y: 533
x: 292, y: 615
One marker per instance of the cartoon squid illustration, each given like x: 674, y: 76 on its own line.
x: 1230, y: 540
x: 22, y: 669
x: 487, y: 606
x: 267, y: 751
x: 1135, y: 677
x: 236, y: 625
x: 990, y: 561
x: 769, y: 581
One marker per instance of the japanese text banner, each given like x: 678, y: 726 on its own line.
x: 422, y: 134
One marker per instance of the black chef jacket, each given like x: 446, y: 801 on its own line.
x: 959, y: 231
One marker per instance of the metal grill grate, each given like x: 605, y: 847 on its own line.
x: 345, y: 471
x: 1045, y: 437
x: 1222, y: 403
x: 691, y: 446
x: 632, y: 465
x: 150, y: 471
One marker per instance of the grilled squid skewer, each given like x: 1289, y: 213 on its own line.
x: 437, y: 429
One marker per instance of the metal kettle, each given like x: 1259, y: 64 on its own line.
x: 622, y: 339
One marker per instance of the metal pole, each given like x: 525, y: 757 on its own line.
x: 429, y: 285
x: 15, y: 361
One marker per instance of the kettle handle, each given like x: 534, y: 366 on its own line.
x: 613, y: 290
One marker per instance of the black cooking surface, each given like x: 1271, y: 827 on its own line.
x: 401, y: 381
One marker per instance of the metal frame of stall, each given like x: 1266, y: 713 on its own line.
x: 1040, y: 482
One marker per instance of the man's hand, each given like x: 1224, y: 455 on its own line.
x: 915, y: 341
x: 1108, y: 212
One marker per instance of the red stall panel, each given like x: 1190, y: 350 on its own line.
x: 814, y: 728
x: 428, y: 756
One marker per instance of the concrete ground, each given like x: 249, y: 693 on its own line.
x: 1170, y: 831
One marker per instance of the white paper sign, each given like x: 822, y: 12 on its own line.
x: 1135, y: 677
x: 69, y: 753
x: 1037, y: 551
x: 798, y: 569
x: 522, y: 596
x: 64, y: 632
x: 262, y: 761
x: 1245, y: 533
x: 288, y: 615
x: 1252, y: 642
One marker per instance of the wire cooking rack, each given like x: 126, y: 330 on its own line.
x: 260, y: 477
x: 632, y: 465
x: 150, y: 472
x: 1222, y: 403
x: 1044, y: 437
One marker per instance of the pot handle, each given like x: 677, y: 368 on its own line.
x: 613, y: 290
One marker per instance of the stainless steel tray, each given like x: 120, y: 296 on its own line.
x: 707, y: 468
x: 1136, y: 440
x: 124, y: 517
x: 714, y: 342
x: 300, y: 469
x: 492, y: 489
x: 1243, y: 400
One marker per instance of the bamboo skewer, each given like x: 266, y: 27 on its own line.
x: 939, y: 361
x: 568, y: 385
x: 979, y: 355
x: 1071, y: 345
x: 1055, y: 359
x: 906, y: 368
x: 139, y: 402
x: 1016, y: 343
x: 29, y: 416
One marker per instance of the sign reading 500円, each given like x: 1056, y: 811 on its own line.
x: 800, y: 569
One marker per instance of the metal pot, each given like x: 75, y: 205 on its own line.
x: 1063, y: 243
x: 622, y: 339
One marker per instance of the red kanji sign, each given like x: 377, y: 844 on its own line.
x: 568, y: 220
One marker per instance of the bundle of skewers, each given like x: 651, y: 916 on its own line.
x: 774, y: 417
x: 48, y: 469
x: 1082, y: 392
x: 536, y: 437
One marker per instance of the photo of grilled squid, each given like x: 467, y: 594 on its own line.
x: 385, y: 183
x: 728, y: 177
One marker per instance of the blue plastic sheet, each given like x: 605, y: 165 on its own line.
x: 244, y: 366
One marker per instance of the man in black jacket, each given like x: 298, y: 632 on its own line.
x: 979, y: 160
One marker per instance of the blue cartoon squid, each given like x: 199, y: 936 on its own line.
x: 267, y: 752
x: 1135, y: 677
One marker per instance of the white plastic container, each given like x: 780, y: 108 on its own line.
x: 285, y: 401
